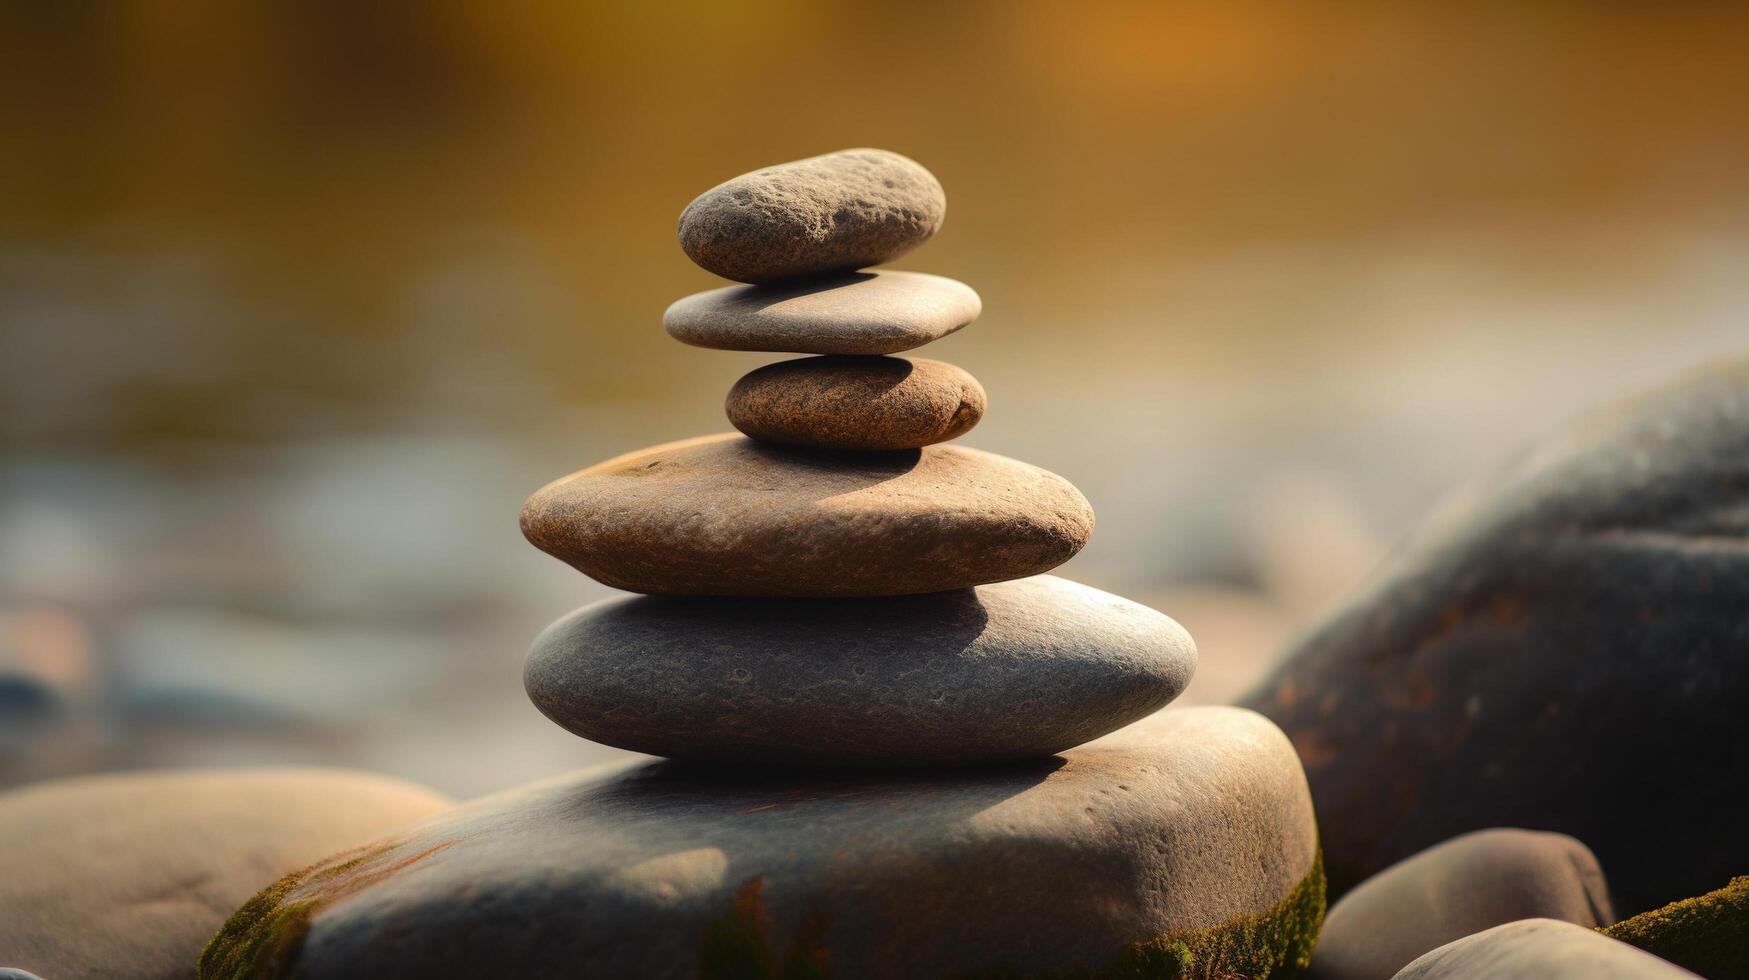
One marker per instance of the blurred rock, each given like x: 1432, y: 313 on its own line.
x: 1540, y: 949
x: 1564, y: 652
x: 126, y: 876
x: 1238, y: 634
x: 1461, y: 887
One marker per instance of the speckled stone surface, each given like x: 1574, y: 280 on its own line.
x: 1011, y: 671
x: 1562, y: 648
x: 856, y: 313
x: 725, y: 515
x: 1540, y: 949
x: 1463, y: 886
x: 1183, y: 821
x: 833, y: 212
x: 125, y: 877
x: 858, y: 403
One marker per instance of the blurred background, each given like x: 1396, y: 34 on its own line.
x: 299, y: 301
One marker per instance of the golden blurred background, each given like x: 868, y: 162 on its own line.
x: 298, y: 301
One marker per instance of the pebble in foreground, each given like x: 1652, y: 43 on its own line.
x: 125, y: 877
x: 1187, y: 837
x: 1461, y: 887
x: 834, y: 212
x: 1018, y: 670
x: 1540, y: 949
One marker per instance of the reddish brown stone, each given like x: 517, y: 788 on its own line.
x: 725, y: 515
x: 866, y: 403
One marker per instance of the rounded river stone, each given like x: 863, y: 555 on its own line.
x: 1564, y: 648
x: 125, y: 877
x: 856, y: 313
x: 1463, y: 886
x: 1540, y: 949
x: 862, y: 403
x: 828, y: 213
x: 725, y: 515
x: 1185, y: 837
x: 1017, y: 670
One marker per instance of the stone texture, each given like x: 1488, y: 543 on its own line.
x: 856, y: 403
x: 1012, y: 671
x: 834, y: 212
x: 1540, y: 949
x: 855, y: 313
x: 724, y: 515
x: 1708, y: 934
x: 1563, y: 650
x: 1132, y: 850
x: 125, y: 877
x: 1461, y: 887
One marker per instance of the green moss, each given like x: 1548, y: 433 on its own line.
x: 1273, y: 945
x: 1708, y: 934
x: 262, y: 937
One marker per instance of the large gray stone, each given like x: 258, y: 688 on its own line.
x: 125, y: 877
x: 833, y: 212
x: 725, y: 515
x: 1461, y: 887
x: 1017, y: 670
x: 855, y: 314
x: 1540, y: 949
x: 1567, y: 649
x: 1186, y: 836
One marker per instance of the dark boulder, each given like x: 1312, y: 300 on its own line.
x: 1567, y: 650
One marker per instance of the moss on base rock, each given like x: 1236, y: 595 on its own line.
x: 1275, y: 944
x: 1708, y: 934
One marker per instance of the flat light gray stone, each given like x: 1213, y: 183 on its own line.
x: 1461, y: 887
x: 854, y: 313
x: 725, y: 515
x: 1182, y: 822
x: 833, y: 212
x: 1540, y: 949
x: 126, y: 876
x: 1012, y: 671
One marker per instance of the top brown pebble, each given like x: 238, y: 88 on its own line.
x: 829, y: 213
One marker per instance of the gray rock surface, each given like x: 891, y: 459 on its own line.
x: 1564, y: 649
x: 833, y: 212
x: 856, y: 403
x: 1011, y: 671
x: 855, y: 313
x: 1540, y: 949
x: 1461, y: 887
x: 125, y: 877
x: 1182, y: 822
x: 725, y: 515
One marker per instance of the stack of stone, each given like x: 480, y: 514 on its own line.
x: 939, y: 648
x: 846, y: 643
